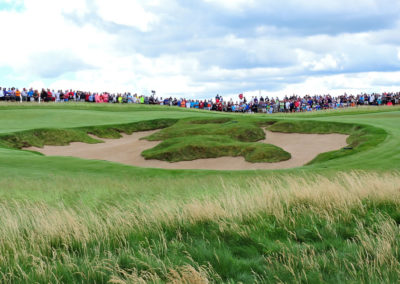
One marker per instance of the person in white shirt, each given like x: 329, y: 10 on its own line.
x: 57, y: 94
x: 371, y: 99
x: 287, y: 106
x: 24, y: 95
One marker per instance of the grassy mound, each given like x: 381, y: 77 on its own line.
x: 41, y: 137
x: 191, y: 139
x: 213, y: 120
x: 314, y: 127
x: 206, y: 146
x: 243, y: 130
x: 114, y: 131
x: 362, y: 137
x: 61, y: 137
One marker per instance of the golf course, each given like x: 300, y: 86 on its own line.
x: 123, y: 193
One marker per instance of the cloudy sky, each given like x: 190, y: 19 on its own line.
x: 201, y: 48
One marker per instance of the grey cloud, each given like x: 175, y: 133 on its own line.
x: 55, y: 63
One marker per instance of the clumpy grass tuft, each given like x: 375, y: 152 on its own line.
x: 287, y: 229
x: 193, y: 139
x: 205, y: 146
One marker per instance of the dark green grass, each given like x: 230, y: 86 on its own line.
x: 241, y: 130
x: 193, y: 139
x: 315, y: 127
x: 114, y: 131
x: 60, y: 137
x: 41, y: 137
x: 209, y: 146
x: 212, y: 120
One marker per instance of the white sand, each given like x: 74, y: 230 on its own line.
x: 128, y: 149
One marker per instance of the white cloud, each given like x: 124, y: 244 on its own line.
x: 232, y: 4
x: 326, y: 63
x: 127, y: 12
x: 342, y: 83
x: 40, y: 38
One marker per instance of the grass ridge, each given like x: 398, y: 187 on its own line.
x: 362, y: 137
x: 60, y: 137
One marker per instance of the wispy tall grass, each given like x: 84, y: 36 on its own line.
x: 152, y: 241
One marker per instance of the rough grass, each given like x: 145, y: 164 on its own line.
x: 241, y: 130
x: 314, y: 127
x: 60, y: 137
x: 194, y: 139
x: 207, y: 146
x: 212, y: 120
x: 114, y: 131
x: 41, y: 137
x: 287, y: 229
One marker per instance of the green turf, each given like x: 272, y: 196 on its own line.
x: 25, y: 117
x: 75, y: 221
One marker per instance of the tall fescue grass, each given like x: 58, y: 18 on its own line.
x: 312, y: 229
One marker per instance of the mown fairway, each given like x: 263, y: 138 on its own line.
x: 69, y: 220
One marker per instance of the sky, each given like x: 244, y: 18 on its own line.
x: 197, y: 49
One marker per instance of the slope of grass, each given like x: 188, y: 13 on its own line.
x: 41, y: 116
x: 342, y: 112
x: 114, y: 131
x: 41, y: 137
x: 314, y: 127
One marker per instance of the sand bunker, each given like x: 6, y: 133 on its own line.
x: 128, y: 149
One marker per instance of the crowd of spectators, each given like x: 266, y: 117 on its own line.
x: 254, y: 104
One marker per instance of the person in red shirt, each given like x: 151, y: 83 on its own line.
x: 297, y: 105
